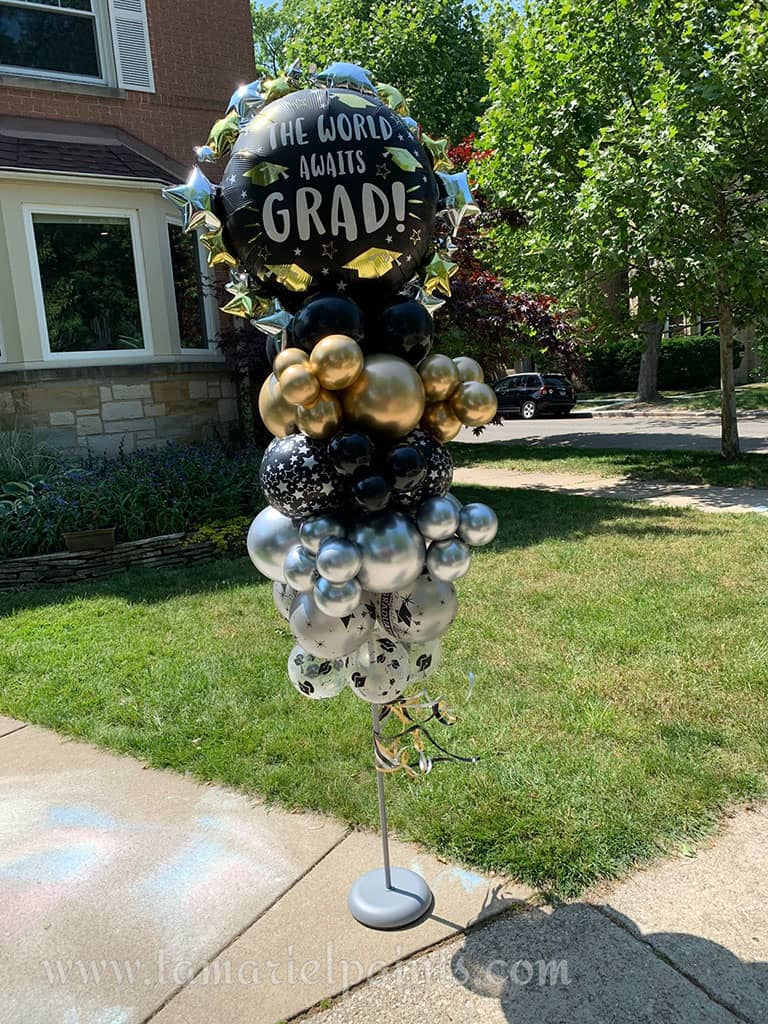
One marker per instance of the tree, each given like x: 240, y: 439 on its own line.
x: 635, y: 139
x: 434, y: 51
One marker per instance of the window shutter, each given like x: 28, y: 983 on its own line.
x: 130, y: 36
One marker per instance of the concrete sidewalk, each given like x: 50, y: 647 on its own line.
x: 703, y: 497
x: 130, y: 895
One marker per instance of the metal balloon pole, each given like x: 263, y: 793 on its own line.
x: 388, y: 898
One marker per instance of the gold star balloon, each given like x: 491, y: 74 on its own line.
x: 245, y: 304
x: 195, y: 198
x: 221, y: 139
x: 217, y: 252
x: 438, y: 273
x: 394, y: 99
x: 438, y: 149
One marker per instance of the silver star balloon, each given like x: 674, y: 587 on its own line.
x: 195, y: 198
x: 205, y: 155
x: 238, y: 279
x: 432, y: 303
x: 343, y: 75
x: 459, y: 196
x: 247, y: 101
x: 274, y: 321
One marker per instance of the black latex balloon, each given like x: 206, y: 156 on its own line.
x: 299, y: 479
x: 439, y: 476
x: 371, y: 492
x: 329, y: 189
x: 407, y: 467
x: 350, y: 453
x: 404, y: 329
x: 326, y: 314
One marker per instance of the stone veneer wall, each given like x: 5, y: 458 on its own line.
x: 101, y: 408
x: 63, y: 567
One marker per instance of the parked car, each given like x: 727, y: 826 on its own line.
x: 535, y: 394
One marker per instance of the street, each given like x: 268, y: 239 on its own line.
x: 654, y: 433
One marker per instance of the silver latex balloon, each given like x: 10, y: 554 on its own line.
x: 425, y: 660
x: 393, y: 551
x: 316, y: 678
x: 448, y: 559
x: 270, y: 538
x: 299, y: 568
x: 337, y: 599
x: 315, y: 530
x: 326, y: 636
x: 437, y: 518
x: 478, y: 524
x: 283, y: 595
x: 423, y: 611
x: 338, y: 560
x: 379, y: 670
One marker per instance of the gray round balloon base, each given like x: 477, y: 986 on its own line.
x: 371, y: 903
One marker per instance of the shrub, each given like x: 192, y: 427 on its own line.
x: 685, y: 362
x: 228, y: 536
x: 22, y: 459
x: 151, y: 492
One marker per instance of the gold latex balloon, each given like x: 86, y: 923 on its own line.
x: 440, y: 377
x: 298, y: 385
x: 289, y: 357
x: 278, y: 415
x: 440, y: 420
x: 336, y: 361
x: 469, y: 369
x: 322, y: 419
x: 386, y: 399
x: 475, y: 404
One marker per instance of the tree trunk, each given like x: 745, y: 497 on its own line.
x: 729, y: 425
x: 648, y: 378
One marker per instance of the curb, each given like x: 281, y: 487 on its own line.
x: 670, y: 414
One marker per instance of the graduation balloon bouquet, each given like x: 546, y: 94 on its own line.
x: 336, y: 215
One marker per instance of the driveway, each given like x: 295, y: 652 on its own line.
x: 647, y: 432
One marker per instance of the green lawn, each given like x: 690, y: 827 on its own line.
x: 621, y: 657
x: 681, y: 467
x: 749, y: 397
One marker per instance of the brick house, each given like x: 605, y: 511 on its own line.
x: 107, y: 312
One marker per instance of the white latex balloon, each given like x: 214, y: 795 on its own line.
x: 379, y: 670
x: 283, y: 595
x: 425, y: 659
x: 423, y: 611
x: 270, y: 538
x: 326, y: 636
x: 316, y: 678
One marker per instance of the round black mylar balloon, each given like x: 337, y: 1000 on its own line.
x: 298, y: 477
x: 328, y: 187
x: 404, y: 329
x: 439, y: 476
x: 324, y: 314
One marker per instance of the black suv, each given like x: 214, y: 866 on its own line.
x: 532, y: 394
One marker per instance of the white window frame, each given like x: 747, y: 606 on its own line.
x: 91, y: 355
x: 104, y: 46
x: 208, y: 282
